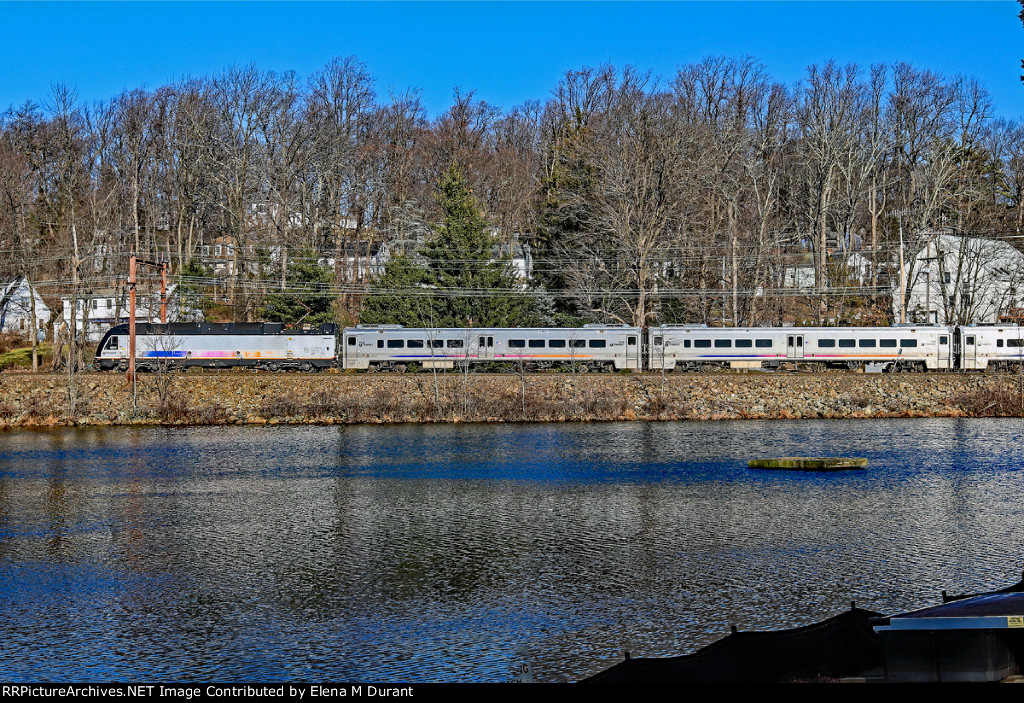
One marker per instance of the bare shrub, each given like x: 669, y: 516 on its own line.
x: 212, y: 414
x: 174, y: 406
x: 325, y: 402
x: 991, y: 402
x: 38, y: 406
x: 286, y: 405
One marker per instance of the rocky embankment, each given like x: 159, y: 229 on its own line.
x: 330, y: 398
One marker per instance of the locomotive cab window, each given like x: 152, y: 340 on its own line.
x: 597, y: 344
x: 826, y: 343
x: 658, y: 341
x: 111, y: 343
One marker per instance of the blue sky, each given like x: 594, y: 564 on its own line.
x: 507, y: 52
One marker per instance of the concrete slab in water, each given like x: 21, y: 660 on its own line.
x: 810, y: 463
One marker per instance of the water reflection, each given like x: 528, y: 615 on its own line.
x: 433, y: 553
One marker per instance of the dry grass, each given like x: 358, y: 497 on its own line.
x: 991, y: 402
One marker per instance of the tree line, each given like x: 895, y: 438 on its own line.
x: 701, y: 197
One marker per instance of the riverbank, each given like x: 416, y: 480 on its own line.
x: 337, y: 398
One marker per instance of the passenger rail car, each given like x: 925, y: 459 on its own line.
x: 261, y: 345
x: 697, y: 347
x: 999, y: 347
x: 393, y: 347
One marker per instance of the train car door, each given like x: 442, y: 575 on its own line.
x: 485, y: 349
x: 794, y: 346
x: 945, y: 352
x: 632, y: 351
x: 970, y: 350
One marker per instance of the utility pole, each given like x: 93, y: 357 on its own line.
x: 900, y: 214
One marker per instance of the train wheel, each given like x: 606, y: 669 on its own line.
x: 274, y: 366
x: 122, y: 366
x: 400, y: 368
x: 305, y: 366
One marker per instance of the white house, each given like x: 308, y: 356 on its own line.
x: 16, y: 303
x: 99, y: 310
x: 958, y: 279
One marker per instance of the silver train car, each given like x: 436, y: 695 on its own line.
x: 393, y: 347
x: 259, y: 345
x: 897, y: 348
x: 997, y: 347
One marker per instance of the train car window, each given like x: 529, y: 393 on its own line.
x: 944, y: 339
x: 826, y: 342
x: 867, y: 343
x: 577, y: 343
x: 763, y: 343
x: 723, y: 343
x: 453, y: 343
x: 744, y: 343
x: 686, y: 344
x: 631, y: 341
x: 847, y: 343
x: 556, y: 343
x: 1015, y: 342
x: 536, y: 344
x: 351, y: 341
x: 702, y: 343
x: 969, y: 339
x: 435, y: 343
x: 517, y: 343
x: 887, y: 343
x: 999, y: 342
x: 415, y: 344
x: 658, y: 341
x: 908, y: 343
x: 597, y: 344
x: 396, y: 344
x: 380, y: 343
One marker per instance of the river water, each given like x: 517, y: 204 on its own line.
x: 457, y: 553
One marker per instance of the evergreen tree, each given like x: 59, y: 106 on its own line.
x: 454, y: 282
x: 309, y: 299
